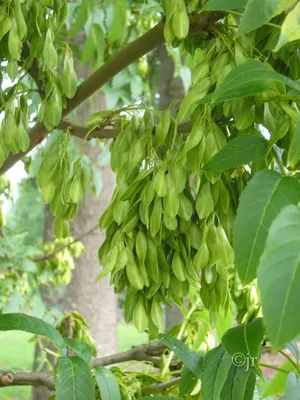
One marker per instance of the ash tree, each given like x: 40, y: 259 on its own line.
x: 205, y: 209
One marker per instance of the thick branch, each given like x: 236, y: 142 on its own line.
x: 27, y: 379
x: 143, y: 45
x: 145, y: 352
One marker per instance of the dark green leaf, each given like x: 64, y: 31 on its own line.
x: 221, y: 5
x: 188, y: 381
x: 81, y: 348
x: 23, y: 322
x: 73, y: 379
x: 158, y: 398
x: 107, y: 383
x: 265, y: 195
x: 215, y: 370
x: 293, y: 158
x: 252, y: 19
x: 248, y: 79
x: 191, y: 359
x: 238, y: 151
x: 279, y: 277
x: 243, y: 342
x: 239, y: 385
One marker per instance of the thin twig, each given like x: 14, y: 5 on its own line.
x: 159, y: 387
x: 58, y: 249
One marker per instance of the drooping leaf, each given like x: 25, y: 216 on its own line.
x: 252, y: 19
x: 23, y: 322
x: 290, y: 29
x: 73, y: 379
x: 82, y: 349
x: 191, y: 359
x: 278, y: 383
x: 247, y: 79
x: 265, y: 195
x: 279, y: 277
x: 245, y: 340
x: 216, y: 366
x: 107, y: 383
x: 222, y: 5
x: 238, y: 151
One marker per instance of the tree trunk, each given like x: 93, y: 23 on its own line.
x: 95, y: 301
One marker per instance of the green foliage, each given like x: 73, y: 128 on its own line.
x: 207, y: 192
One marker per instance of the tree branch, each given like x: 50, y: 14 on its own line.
x: 106, y: 133
x: 145, y: 352
x: 141, y: 46
x: 34, y: 70
x: 159, y: 387
x: 58, y: 249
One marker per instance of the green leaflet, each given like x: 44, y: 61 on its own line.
x: 294, y: 150
x: 239, y: 384
x: 187, y: 382
x: 81, y: 348
x: 290, y: 29
x: 221, y: 5
x: 73, y: 379
x: 238, y: 151
x: 245, y: 340
x: 215, y: 370
x: 279, y: 277
x: 278, y: 383
x: 181, y: 350
x: 26, y: 323
x: 248, y: 79
x: 252, y: 19
x: 265, y: 195
x: 107, y: 383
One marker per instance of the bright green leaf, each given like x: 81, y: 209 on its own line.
x: 81, y: 348
x: 23, y: 322
x: 73, y: 379
x: 238, y: 151
x: 216, y: 366
x: 294, y: 150
x: 278, y: 383
x: 221, y: 5
x: 265, y: 195
x: 279, y: 277
x: 290, y: 29
x: 107, y: 383
x: 252, y: 19
x: 181, y: 350
x: 248, y: 79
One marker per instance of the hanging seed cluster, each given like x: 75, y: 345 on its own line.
x: 167, y: 221
x: 23, y: 22
x: 63, y: 183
